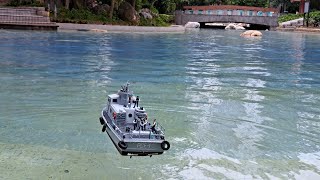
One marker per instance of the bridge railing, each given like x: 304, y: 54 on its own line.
x: 230, y: 10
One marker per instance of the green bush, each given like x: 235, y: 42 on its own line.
x: 31, y: 3
x: 315, y: 18
x: 82, y: 16
x: 167, y: 18
x: 161, y: 20
x: 154, y: 10
x: 289, y: 17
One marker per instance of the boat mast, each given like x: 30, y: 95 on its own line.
x: 124, y: 95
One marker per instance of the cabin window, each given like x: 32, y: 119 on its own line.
x: 219, y: 12
x: 109, y: 100
x: 114, y: 100
x: 130, y: 115
x: 229, y: 12
x: 259, y: 13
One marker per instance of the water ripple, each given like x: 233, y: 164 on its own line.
x: 232, y: 107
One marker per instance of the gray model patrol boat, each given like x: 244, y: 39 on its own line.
x: 127, y: 126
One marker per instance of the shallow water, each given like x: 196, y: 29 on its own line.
x: 233, y: 108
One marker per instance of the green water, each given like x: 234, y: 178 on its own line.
x: 233, y: 108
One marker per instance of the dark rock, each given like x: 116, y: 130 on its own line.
x: 91, y: 3
x: 128, y: 13
x: 145, y: 13
x: 66, y: 171
x: 101, y: 9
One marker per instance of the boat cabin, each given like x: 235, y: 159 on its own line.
x: 127, y: 126
x: 120, y: 107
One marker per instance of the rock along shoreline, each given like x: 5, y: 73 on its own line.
x: 117, y: 28
x: 299, y: 29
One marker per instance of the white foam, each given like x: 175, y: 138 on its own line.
x: 308, y: 115
x: 260, y: 73
x: 204, y: 153
x: 193, y: 173
x: 68, y: 40
x: 254, y: 68
x: 311, y: 158
x: 272, y: 177
x: 253, y: 95
x: 228, y: 173
x: 255, y: 83
x: 179, y: 139
x: 306, y: 174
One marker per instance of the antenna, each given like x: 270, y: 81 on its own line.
x: 127, y: 86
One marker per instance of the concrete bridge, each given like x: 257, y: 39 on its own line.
x: 267, y: 17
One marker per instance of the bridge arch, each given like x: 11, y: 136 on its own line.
x: 227, y: 14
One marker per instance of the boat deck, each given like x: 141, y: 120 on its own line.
x: 127, y: 129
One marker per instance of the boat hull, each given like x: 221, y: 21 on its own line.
x: 133, y: 146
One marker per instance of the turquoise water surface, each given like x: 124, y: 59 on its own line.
x: 233, y: 108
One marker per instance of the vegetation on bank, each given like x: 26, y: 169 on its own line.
x: 81, y: 16
x: 161, y: 20
x: 105, y: 11
x: 289, y: 17
x: 16, y: 3
x: 314, y: 18
x: 145, y: 12
x: 84, y: 16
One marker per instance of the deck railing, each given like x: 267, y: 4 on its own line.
x: 151, y: 135
x: 230, y: 10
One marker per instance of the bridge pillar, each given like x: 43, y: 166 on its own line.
x: 178, y: 17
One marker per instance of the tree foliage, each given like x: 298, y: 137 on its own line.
x: 169, y: 6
